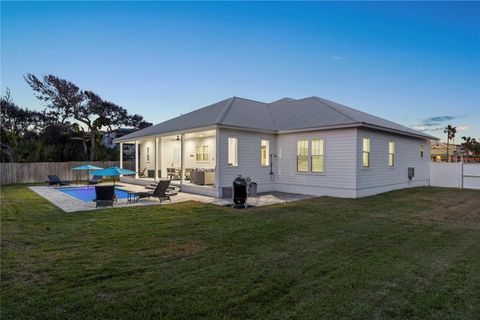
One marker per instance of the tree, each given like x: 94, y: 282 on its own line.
x: 450, y: 131
x: 71, y: 104
x: 16, y: 124
x: 471, y: 145
x: 18, y: 120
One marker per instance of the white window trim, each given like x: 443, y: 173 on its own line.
x: 205, y: 153
x: 198, y: 153
x: 369, y: 154
x: 307, y: 155
x: 233, y: 164
x: 267, y: 160
x: 391, y: 153
x: 201, y: 154
x: 322, y: 173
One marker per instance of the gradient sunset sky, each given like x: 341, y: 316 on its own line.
x: 417, y: 64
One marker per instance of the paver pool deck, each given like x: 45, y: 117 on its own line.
x: 68, y: 203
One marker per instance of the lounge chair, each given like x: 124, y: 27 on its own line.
x: 53, y: 180
x: 161, y: 192
x: 105, y: 195
x: 95, y: 180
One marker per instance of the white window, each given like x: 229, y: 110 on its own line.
x: 205, y: 153
x: 302, y: 155
x: 421, y: 151
x: 366, y: 153
x: 198, y: 153
x: 317, y: 155
x: 232, y: 152
x: 148, y: 154
x: 201, y: 153
x: 391, y: 153
x: 264, y: 152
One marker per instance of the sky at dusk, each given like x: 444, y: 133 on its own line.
x: 417, y: 64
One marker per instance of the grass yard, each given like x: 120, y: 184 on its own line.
x: 405, y: 254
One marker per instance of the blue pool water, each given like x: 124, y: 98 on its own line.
x: 87, y: 194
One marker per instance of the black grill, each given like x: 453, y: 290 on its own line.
x: 239, y: 192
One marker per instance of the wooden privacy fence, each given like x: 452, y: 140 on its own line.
x: 12, y: 173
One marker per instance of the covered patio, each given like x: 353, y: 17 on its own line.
x: 188, y: 159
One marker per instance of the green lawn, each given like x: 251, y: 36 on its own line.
x: 405, y: 254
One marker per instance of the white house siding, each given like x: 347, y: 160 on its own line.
x: 344, y: 175
x: 190, y: 151
x: 379, y: 177
x: 338, y: 178
x: 249, y: 143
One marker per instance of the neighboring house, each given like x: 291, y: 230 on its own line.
x: 310, y: 146
x: 108, y: 137
x: 438, y: 152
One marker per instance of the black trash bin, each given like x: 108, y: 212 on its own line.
x: 239, y: 192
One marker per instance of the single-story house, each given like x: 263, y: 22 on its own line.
x: 310, y: 146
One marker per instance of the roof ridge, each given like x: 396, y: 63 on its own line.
x: 334, y: 108
x: 225, y: 110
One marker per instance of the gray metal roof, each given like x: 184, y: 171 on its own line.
x: 279, y: 116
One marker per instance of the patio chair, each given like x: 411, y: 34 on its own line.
x: 105, y: 195
x: 161, y: 192
x: 141, y: 173
x: 95, y: 180
x: 54, y: 179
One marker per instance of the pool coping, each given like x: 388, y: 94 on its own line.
x: 69, y: 203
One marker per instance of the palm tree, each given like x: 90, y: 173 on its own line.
x: 450, y: 131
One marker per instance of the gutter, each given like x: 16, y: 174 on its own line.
x: 340, y: 126
x: 164, y: 134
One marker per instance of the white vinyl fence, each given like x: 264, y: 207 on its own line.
x: 455, y: 175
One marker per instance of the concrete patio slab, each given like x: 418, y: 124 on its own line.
x: 68, y: 203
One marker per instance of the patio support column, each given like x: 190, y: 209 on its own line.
x: 136, y: 159
x: 121, y: 155
x: 182, y: 159
x: 217, y: 162
x: 156, y: 159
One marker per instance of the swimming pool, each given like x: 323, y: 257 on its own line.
x: 87, y: 194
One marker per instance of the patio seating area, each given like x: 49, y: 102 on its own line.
x: 69, y: 204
